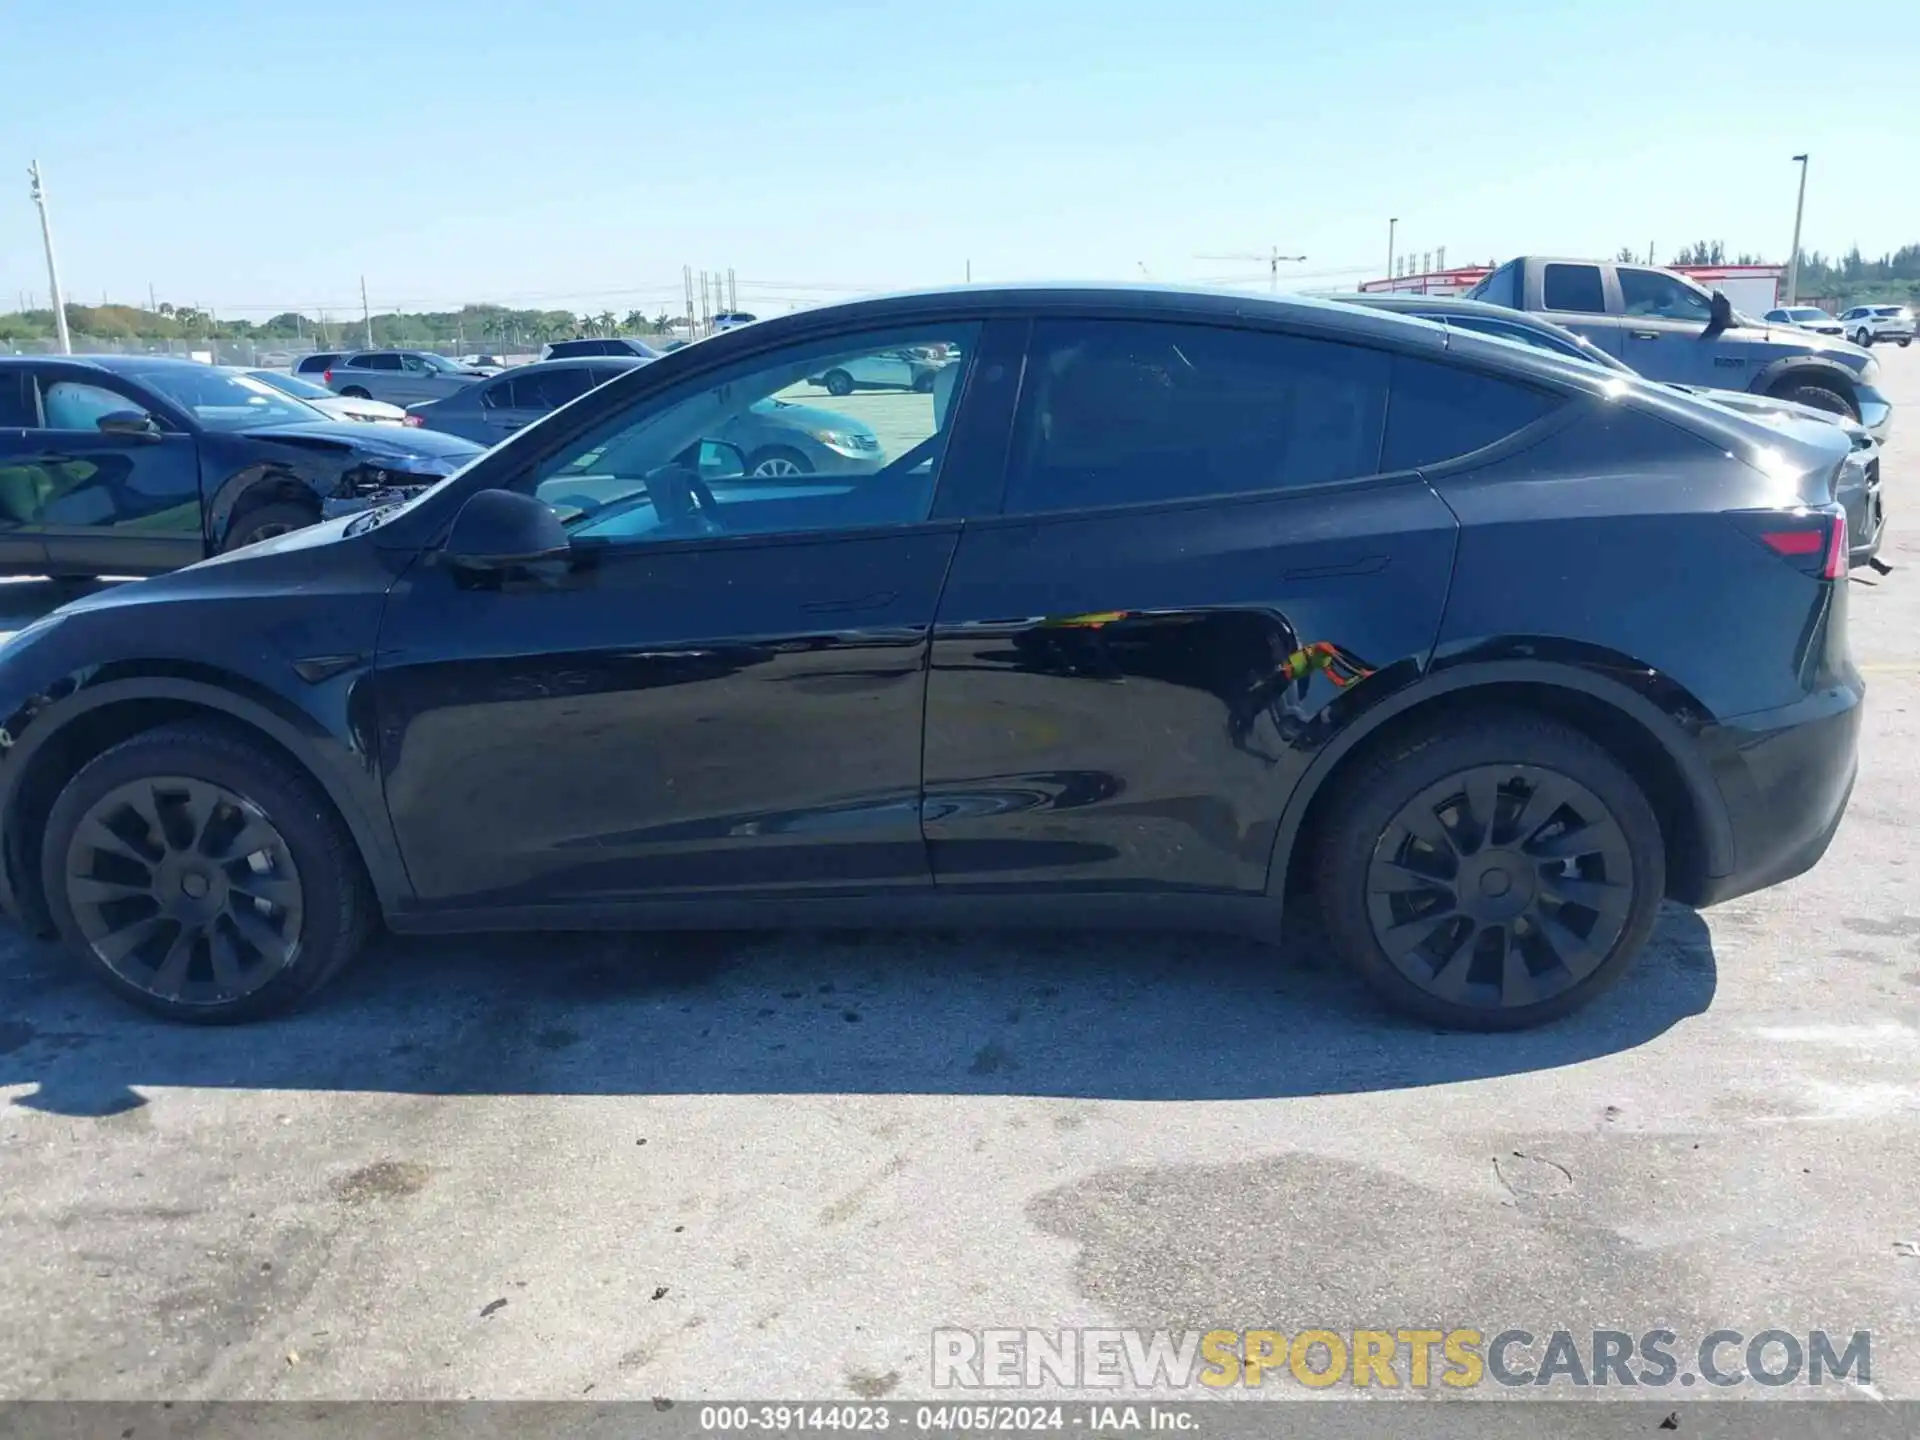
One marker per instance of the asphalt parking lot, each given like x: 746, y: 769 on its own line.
x: 738, y: 1165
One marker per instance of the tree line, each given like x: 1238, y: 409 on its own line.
x: 480, y: 326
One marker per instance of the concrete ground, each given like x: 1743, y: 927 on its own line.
x: 752, y: 1166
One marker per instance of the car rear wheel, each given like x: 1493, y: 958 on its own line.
x: 1905, y: 340
x: 267, y: 521
x: 777, y: 462
x: 1491, y: 876
x: 839, y: 383
x: 203, y: 878
x: 1820, y: 398
x: 354, y: 392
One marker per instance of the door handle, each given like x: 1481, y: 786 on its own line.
x: 1646, y: 334
x: 879, y: 600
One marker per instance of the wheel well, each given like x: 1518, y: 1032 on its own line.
x: 1613, y: 730
x: 1841, y: 385
x: 68, y: 751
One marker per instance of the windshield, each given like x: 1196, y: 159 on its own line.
x: 1807, y: 312
x: 228, y: 399
x: 291, y: 385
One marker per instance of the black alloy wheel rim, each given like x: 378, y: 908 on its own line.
x: 185, y: 890
x: 1500, y: 886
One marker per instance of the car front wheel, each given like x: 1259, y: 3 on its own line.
x: 1863, y: 337
x: 1491, y: 876
x: 202, y: 877
x: 839, y: 382
x: 266, y: 521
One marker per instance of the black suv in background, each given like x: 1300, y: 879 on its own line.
x: 131, y: 465
x: 625, y: 348
x: 1163, y: 607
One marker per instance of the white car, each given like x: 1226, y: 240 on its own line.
x: 1867, y: 324
x: 1805, y: 317
x: 340, y: 407
x: 887, y: 370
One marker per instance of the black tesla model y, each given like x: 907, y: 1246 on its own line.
x: 1156, y: 607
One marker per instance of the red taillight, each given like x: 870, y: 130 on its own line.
x: 326, y: 377
x: 410, y: 420
x: 1811, y: 540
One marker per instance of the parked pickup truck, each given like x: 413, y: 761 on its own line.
x: 1668, y: 328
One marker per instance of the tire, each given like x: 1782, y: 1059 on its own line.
x: 1820, y: 398
x: 777, y: 462
x: 307, y: 906
x: 1372, y: 873
x: 355, y: 392
x: 923, y: 383
x: 263, y: 522
x: 839, y: 382
x: 1863, y: 337
x: 1905, y: 340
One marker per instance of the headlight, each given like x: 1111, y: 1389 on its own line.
x: 426, y: 465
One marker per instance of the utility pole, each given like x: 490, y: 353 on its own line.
x: 686, y: 278
x: 1793, y: 260
x: 366, y: 311
x: 153, y: 301
x: 53, y: 270
x: 969, y: 272
x: 733, y: 302
x: 1392, y: 223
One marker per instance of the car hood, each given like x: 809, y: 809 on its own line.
x: 371, y: 441
x: 809, y: 417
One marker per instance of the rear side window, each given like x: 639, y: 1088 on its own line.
x: 1574, y: 287
x: 1120, y: 412
x: 550, y: 389
x: 1439, y: 412
x: 314, y: 364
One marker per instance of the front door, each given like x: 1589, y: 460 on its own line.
x: 110, y: 503
x: 1663, y: 333
x: 22, y: 551
x: 722, y: 694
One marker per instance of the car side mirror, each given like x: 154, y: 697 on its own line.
x: 128, y: 422
x: 719, y: 460
x: 1722, y: 316
x: 503, y: 529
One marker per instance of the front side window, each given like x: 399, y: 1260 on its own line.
x: 550, y: 389
x: 755, y: 450
x: 72, y: 405
x: 1574, y: 287
x: 376, y: 362
x: 1120, y: 412
x: 1661, y: 297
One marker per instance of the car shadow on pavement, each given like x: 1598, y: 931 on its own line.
x: 1129, y: 1017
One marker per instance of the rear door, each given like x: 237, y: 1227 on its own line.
x: 1664, y: 333
x: 110, y: 504
x: 1124, y: 687
x: 1581, y: 296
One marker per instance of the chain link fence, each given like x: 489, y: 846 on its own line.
x: 258, y: 354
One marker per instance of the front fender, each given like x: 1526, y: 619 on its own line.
x: 345, y: 772
x: 1661, y: 707
x: 276, y: 475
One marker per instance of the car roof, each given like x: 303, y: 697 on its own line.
x: 606, y: 362
x: 111, y: 364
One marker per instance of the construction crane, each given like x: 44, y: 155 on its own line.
x: 1273, y: 260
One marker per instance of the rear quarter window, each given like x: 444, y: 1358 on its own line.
x: 1438, y: 412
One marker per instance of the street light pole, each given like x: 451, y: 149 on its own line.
x: 1390, y: 228
x: 1793, y: 260
x: 53, y: 270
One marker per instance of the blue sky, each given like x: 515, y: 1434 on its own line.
x: 580, y: 152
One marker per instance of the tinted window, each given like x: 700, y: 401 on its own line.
x: 1502, y: 287
x: 568, y: 349
x: 1662, y: 297
x: 1519, y: 334
x: 376, y: 362
x: 17, y: 410
x: 1574, y: 287
x: 1440, y: 411
x: 756, y: 450
x: 313, y: 364
x: 1121, y: 411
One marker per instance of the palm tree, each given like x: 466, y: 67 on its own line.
x: 635, y: 321
x: 608, y: 325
